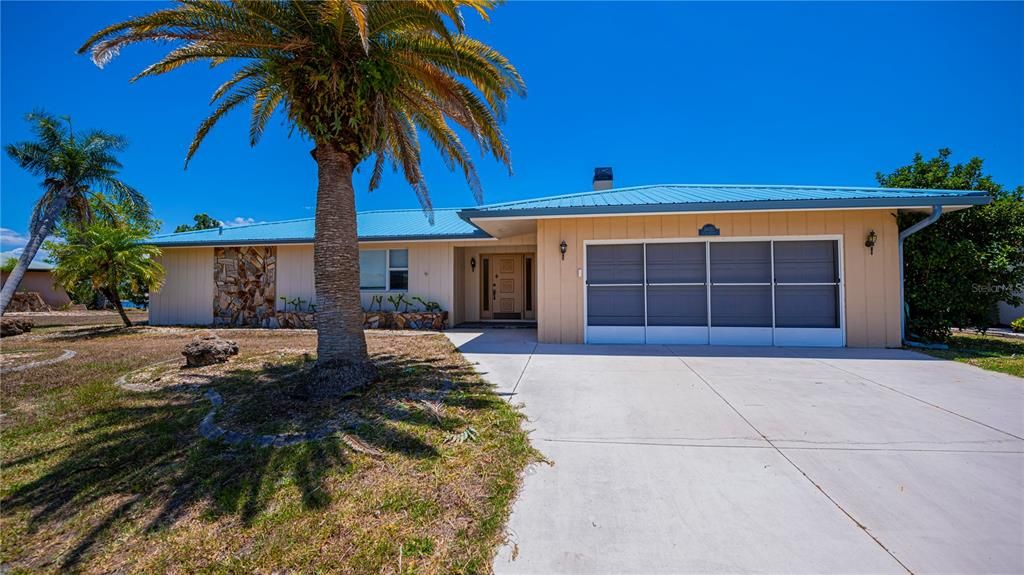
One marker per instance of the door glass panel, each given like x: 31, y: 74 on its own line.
x: 485, y: 285
x: 615, y: 305
x: 741, y: 262
x: 806, y: 261
x: 807, y: 306
x: 676, y: 263
x: 741, y: 306
x: 529, y: 284
x: 619, y: 264
x: 677, y: 306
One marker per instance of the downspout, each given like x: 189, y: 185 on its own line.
x: 931, y: 219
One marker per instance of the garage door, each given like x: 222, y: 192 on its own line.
x: 768, y: 292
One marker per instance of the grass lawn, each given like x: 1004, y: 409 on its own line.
x: 985, y: 351
x: 81, y: 317
x: 97, y: 478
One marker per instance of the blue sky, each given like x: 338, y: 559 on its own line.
x: 794, y: 93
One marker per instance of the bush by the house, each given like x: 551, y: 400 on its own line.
x: 1017, y: 325
x: 958, y: 269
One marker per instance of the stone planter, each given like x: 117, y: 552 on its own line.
x: 295, y: 319
x: 405, y: 320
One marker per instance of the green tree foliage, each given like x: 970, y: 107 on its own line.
x: 364, y: 80
x: 8, y: 265
x: 113, y: 258
x: 202, y: 222
x: 959, y: 268
x: 79, y: 179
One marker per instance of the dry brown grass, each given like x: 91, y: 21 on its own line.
x: 96, y: 478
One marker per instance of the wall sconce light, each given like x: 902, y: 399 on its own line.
x: 562, y: 247
x: 871, y: 241
x: 472, y: 264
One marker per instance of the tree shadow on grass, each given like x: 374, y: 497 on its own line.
x: 139, y: 462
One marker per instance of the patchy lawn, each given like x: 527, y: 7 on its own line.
x: 81, y: 317
x: 97, y: 478
x: 985, y: 351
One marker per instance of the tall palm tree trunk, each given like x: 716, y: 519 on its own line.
x: 35, y: 241
x: 341, y: 346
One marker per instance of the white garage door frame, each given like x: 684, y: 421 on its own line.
x: 703, y: 335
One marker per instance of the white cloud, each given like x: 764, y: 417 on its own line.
x: 41, y: 255
x: 12, y: 239
x: 240, y: 221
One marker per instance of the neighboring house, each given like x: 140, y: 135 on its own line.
x: 39, y: 279
x: 1008, y: 313
x: 745, y: 265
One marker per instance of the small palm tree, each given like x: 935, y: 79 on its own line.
x: 111, y: 257
x: 79, y: 172
x: 361, y: 79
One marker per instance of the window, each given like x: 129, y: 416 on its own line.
x: 384, y: 270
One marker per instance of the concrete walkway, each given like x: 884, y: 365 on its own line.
x: 713, y: 459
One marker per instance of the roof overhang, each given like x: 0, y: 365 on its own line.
x: 308, y: 241
x: 480, y: 215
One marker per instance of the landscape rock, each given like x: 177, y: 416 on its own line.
x: 27, y: 301
x: 208, y: 350
x: 15, y: 326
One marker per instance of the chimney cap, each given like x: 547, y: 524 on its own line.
x: 603, y: 174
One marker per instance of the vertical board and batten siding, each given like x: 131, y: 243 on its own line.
x: 186, y: 298
x: 295, y: 273
x: 872, y: 281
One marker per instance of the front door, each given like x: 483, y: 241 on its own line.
x: 503, y: 288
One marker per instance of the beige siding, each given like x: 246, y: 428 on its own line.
x: 295, y: 273
x: 438, y: 271
x: 872, y: 281
x: 186, y: 297
x: 41, y: 282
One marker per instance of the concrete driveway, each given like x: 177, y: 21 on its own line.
x: 713, y: 459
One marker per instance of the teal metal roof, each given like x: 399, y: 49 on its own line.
x: 454, y: 223
x: 697, y: 198
x: 397, y: 225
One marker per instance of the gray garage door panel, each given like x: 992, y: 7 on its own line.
x: 741, y: 306
x: 677, y: 306
x: 741, y: 262
x: 615, y: 264
x: 615, y: 305
x: 806, y: 261
x: 807, y: 306
x: 676, y: 263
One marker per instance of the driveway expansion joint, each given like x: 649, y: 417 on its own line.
x: 820, y: 489
x: 915, y: 398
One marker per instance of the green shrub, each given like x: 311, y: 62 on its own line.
x: 1017, y: 325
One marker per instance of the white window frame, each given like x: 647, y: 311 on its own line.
x: 772, y: 336
x: 388, y: 269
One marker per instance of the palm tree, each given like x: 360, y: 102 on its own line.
x: 79, y: 171
x: 111, y: 257
x: 360, y: 79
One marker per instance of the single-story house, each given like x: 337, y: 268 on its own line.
x: 692, y: 264
x: 39, y: 278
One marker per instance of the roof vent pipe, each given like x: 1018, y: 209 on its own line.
x: 931, y: 219
x: 602, y: 179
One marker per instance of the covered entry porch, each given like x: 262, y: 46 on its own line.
x: 495, y: 284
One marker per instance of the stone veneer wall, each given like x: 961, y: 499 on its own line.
x: 245, y: 286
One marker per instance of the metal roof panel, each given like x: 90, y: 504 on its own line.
x: 397, y: 225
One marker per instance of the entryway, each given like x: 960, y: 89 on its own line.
x: 785, y: 291
x: 507, y: 287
